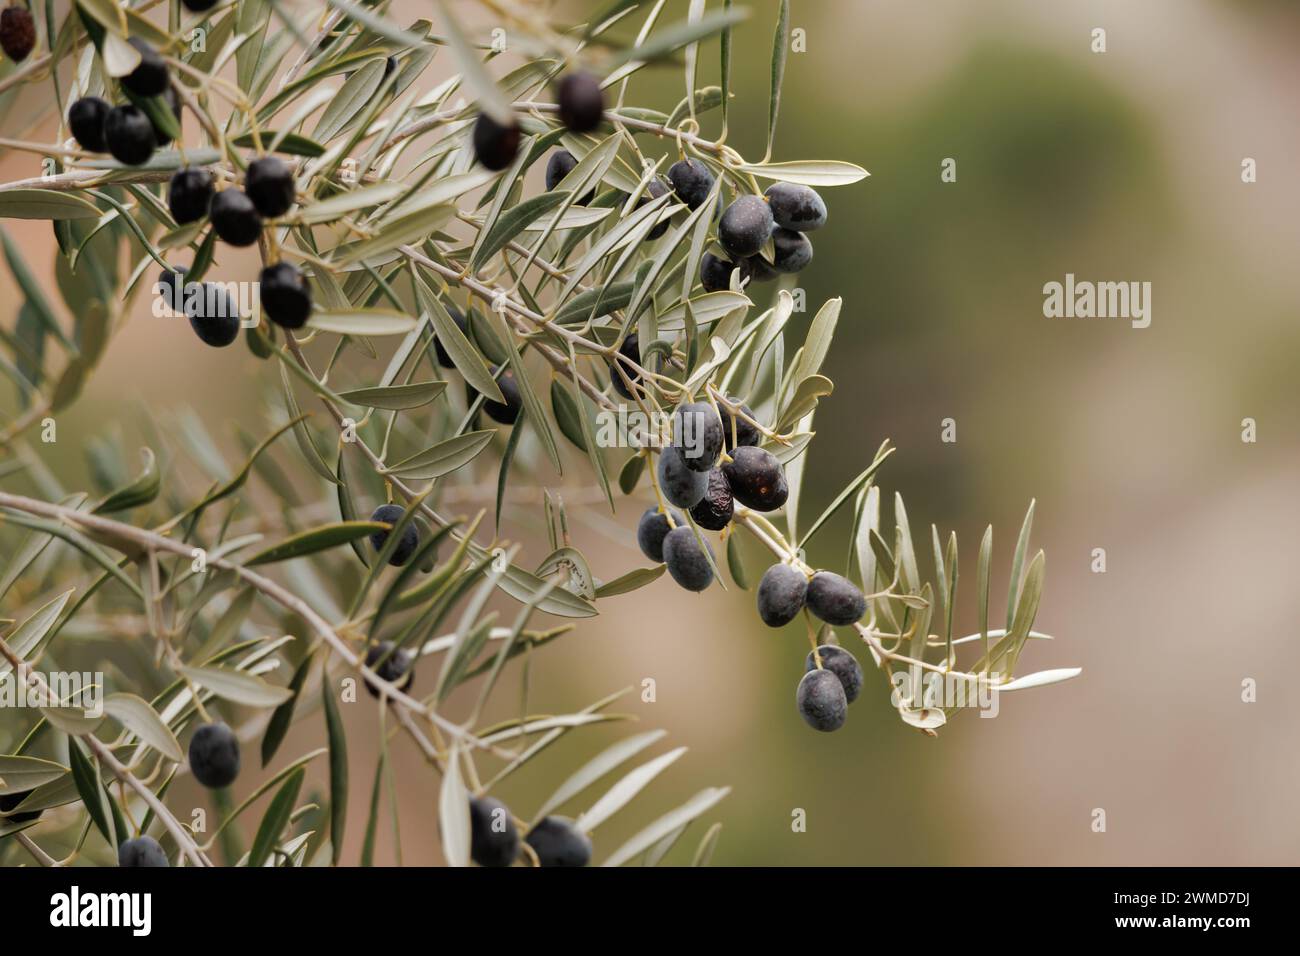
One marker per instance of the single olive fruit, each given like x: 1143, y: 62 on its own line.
x: 821, y: 701
x: 9, y: 801
x: 141, y: 851
x: 715, y: 272
x: 234, y: 217
x: 781, y: 595
x: 395, y: 665
x: 214, y: 755
x: 582, y: 103
x: 17, y: 33
x: 189, y: 193
x: 796, y: 207
x: 410, y: 539
x: 557, y: 842
x: 170, y: 287
x: 697, y: 431
x: 213, y: 315
x: 744, y: 430
x: 128, y: 134
x: 86, y: 121
x: 757, y: 478
x: 495, y: 145
x: 444, y: 359
x: 493, y: 836
x: 793, y: 251
x: 686, y: 560
x: 713, y: 512
x: 149, y: 78
x: 692, y: 182
x: 651, y: 531
x: 655, y: 188
x: 173, y: 101
x: 286, y: 297
x: 560, y: 165
x: 199, y: 6
x: 269, y: 183
x: 843, y: 665
x: 506, y: 413
x: 835, y: 599
x: 631, y: 350
x: 745, y: 226
x: 680, y: 484
x: 761, y: 270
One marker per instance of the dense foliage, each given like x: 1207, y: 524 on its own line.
x: 432, y: 315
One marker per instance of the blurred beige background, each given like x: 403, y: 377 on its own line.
x: 1117, y: 166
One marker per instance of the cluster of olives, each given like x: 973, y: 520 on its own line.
x: 237, y: 218
x: 785, y: 591
x: 128, y: 134
x: 691, y: 477
x: 125, y: 131
x: 832, y: 680
x: 783, y: 214
x: 494, y: 838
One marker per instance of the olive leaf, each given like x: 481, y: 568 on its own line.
x: 237, y: 686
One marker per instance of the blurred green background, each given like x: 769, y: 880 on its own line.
x: 1122, y: 166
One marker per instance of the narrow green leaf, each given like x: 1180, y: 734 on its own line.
x: 698, y: 805
x: 599, y: 765
x: 316, y: 539
x: 372, y: 819
x: 356, y: 93
x: 137, y: 716
x: 280, y: 720
x: 631, y: 581
x: 676, y: 35
x: 45, y: 204
x: 622, y: 793
x: 736, y: 564
x: 338, y: 771
x: 92, y: 792
x: 141, y: 491
x: 362, y: 322
x: 238, y: 686
x: 27, y: 637
x: 293, y: 144
x: 512, y: 223
x: 276, y: 819
x: 630, y: 474
x: 1017, y: 562
x: 982, y: 584
x: 844, y: 496
x: 458, y: 347
x: 503, y: 471
x: 780, y: 50
x: 444, y: 457
x: 337, y: 206
x: 453, y: 812
x: 704, y: 852
x: 568, y: 416
x: 19, y: 773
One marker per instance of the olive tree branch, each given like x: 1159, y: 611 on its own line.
x: 144, y: 539
x: 182, y: 836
